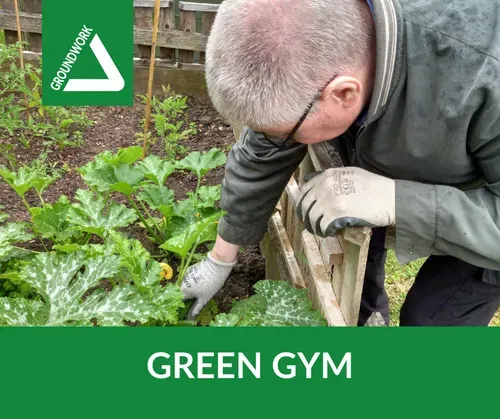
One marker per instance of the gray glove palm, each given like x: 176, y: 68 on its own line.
x: 347, y: 197
x: 202, y: 281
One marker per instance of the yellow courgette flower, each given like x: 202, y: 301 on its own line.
x: 166, y: 271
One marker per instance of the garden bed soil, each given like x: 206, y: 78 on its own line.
x: 116, y: 127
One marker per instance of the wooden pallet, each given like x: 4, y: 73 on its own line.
x: 332, y: 269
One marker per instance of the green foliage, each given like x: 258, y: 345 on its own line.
x: 276, y: 303
x: 75, y: 268
x: 69, y: 287
x: 25, y: 120
x: 51, y: 221
x: 170, y: 123
x: 38, y: 176
x: 92, y: 215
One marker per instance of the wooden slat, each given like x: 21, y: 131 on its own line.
x: 170, y: 39
x: 29, y: 22
x: 280, y: 259
x: 151, y: 3
x: 187, y: 23
x: 167, y: 22
x: 348, y: 278
x: 34, y: 39
x: 331, y: 251
x: 318, y: 283
x: 207, y: 20
x: 198, y: 7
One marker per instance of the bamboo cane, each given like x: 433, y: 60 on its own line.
x: 20, y: 39
x: 151, y: 77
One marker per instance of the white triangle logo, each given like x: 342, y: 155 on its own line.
x: 114, y: 81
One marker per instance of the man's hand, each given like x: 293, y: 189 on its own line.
x: 347, y: 197
x: 202, y: 281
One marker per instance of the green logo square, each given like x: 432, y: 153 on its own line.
x: 88, y: 52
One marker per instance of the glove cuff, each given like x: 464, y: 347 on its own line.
x: 222, y: 264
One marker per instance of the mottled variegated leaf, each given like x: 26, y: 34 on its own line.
x: 276, y: 303
x: 225, y: 320
x: 19, y: 312
x: 10, y: 234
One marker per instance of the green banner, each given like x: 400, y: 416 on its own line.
x: 88, y: 52
x: 240, y: 372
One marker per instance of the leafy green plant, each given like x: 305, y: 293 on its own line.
x: 70, y: 294
x: 170, y: 124
x: 53, y: 125
x: 276, y: 303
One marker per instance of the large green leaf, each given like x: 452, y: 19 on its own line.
x: 200, y: 163
x: 156, y: 169
x: 208, y: 196
x: 225, y: 320
x: 276, y: 303
x: 107, y: 178
x: 27, y: 177
x: 50, y: 221
x: 68, y: 284
x: 10, y: 234
x: 159, y: 198
x: 19, y: 311
x: 196, y: 234
x: 92, y: 216
x: 127, y: 155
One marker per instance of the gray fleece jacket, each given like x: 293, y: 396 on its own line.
x: 433, y: 125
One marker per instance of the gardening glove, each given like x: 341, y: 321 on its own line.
x: 202, y: 281
x: 347, y: 197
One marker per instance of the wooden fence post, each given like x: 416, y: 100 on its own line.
x: 34, y: 39
x: 167, y: 22
x: 187, y: 23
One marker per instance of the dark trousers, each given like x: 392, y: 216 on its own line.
x: 446, y: 291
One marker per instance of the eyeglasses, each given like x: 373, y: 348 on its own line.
x: 281, y: 143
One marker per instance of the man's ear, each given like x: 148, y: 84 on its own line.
x: 344, y: 90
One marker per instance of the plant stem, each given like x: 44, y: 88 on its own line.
x: 198, y: 186
x: 185, y: 266
x: 87, y: 238
x: 25, y: 203
x: 153, y: 221
x: 27, y: 250
x: 156, y: 20
x: 151, y: 231
x: 40, y: 196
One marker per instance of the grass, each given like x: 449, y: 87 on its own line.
x: 399, y: 279
x: 2, y: 37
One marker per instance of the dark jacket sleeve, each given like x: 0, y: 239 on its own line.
x: 443, y: 220
x: 256, y: 175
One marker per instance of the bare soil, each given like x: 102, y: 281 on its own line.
x: 114, y: 128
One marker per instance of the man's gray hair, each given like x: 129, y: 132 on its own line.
x: 266, y: 59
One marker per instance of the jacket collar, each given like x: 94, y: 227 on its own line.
x: 389, y: 33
